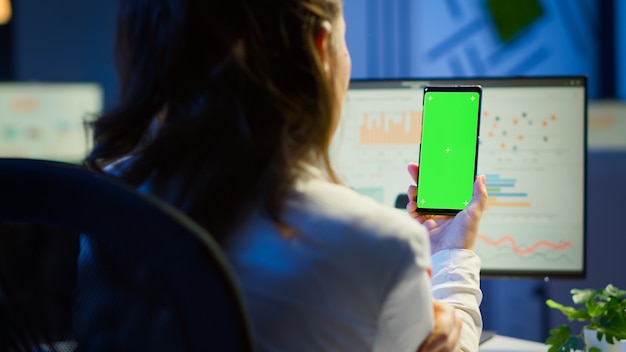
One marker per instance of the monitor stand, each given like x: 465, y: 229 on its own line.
x: 486, y: 335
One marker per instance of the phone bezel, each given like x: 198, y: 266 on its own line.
x: 476, y: 88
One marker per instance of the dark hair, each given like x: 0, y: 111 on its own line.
x: 245, y: 98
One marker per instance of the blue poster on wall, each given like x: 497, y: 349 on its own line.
x: 477, y: 38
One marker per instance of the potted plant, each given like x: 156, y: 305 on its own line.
x: 603, y: 312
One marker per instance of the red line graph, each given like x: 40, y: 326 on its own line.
x: 527, y: 250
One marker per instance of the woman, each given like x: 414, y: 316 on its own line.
x: 227, y: 110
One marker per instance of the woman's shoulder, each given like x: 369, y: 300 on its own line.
x: 117, y: 167
x: 339, y: 213
x: 339, y: 201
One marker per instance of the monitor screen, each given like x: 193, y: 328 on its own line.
x: 532, y: 150
x: 46, y: 120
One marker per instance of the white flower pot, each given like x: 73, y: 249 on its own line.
x: 591, y: 340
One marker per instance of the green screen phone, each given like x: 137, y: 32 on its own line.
x: 448, y: 149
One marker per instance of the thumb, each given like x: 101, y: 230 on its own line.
x: 413, y: 168
x: 480, y: 196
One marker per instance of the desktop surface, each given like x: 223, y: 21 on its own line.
x: 499, y: 343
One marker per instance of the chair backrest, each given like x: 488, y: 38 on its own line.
x: 148, y: 256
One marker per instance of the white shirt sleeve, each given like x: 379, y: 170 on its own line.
x: 456, y: 281
x: 407, y: 314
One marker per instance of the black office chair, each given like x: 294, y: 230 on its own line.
x: 149, y: 277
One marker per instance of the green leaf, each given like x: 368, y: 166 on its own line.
x: 582, y: 296
x: 554, y: 304
x: 618, y: 325
x: 599, y: 334
x: 568, y: 311
x: 572, y: 343
x: 596, y: 309
x: 562, y: 331
x: 614, y: 291
x: 608, y: 334
x: 580, y: 315
x: 561, y: 339
x: 594, y: 349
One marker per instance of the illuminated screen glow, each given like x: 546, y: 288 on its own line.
x: 532, y: 150
x: 47, y: 120
x: 447, y: 150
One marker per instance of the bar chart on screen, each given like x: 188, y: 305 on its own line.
x: 521, y: 198
x: 378, y: 132
x: 395, y: 127
x: 47, y: 120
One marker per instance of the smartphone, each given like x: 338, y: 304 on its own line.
x: 449, y: 148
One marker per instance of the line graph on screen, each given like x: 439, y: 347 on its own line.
x: 540, y: 251
x: 519, y: 250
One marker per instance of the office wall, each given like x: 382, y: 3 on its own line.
x: 620, y: 43
x: 606, y: 232
x: 474, y: 38
x: 73, y: 40
x: 65, y: 40
x: 6, y: 51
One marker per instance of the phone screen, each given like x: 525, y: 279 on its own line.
x: 448, y: 149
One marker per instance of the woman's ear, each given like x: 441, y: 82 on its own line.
x: 322, y: 43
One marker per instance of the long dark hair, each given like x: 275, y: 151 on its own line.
x: 244, y: 95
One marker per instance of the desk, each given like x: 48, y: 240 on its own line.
x: 500, y: 343
x: 510, y: 344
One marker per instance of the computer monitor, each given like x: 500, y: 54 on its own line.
x: 532, y: 150
x: 46, y: 120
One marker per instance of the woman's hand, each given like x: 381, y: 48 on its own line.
x: 449, y: 232
x: 445, y: 336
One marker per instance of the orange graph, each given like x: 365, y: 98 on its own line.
x: 382, y: 129
x: 523, y: 250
